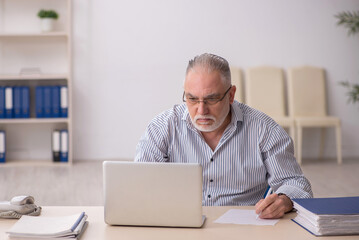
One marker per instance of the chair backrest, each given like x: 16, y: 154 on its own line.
x: 306, y: 92
x: 236, y: 76
x: 265, y: 90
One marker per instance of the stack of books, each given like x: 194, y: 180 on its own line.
x: 328, y: 216
x: 30, y: 227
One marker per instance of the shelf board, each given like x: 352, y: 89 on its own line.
x: 33, y: 120
x: 33, y: 77
x: 33, y: 34
x: 31, y: 163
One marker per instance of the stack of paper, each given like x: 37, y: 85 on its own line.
x: 328, y: 216
x: 49, y: 227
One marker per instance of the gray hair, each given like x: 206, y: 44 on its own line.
x: 210, y: 63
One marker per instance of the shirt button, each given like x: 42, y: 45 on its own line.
x: 211, y: 159
x: 209, y: 196
x: 211, y: 180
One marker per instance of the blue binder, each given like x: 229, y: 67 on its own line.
x: 17, y: 102
x: 47, y: 102
x: 55, y: 95
x: 8, y: 102
x: 2, y: 102
x: 39, y: 93
x: 25, y: 102
x: 64, y: 147
x: 2, y: 147
x: 330, y: 206
x: 64, y: 101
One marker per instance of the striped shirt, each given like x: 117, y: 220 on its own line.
x: 254, y: 152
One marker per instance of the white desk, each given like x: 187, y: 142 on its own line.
x: 97, y: 229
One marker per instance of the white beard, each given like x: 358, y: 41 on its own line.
x: 208, y: 127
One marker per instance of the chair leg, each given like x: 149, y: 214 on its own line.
x: 293, y: 136
x: 299, y: 145
x: 339, y: 144
x: 322, y: 142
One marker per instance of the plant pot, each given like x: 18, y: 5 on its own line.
x: 47, y: 24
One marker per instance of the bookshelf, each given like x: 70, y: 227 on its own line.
x: 24, y: 45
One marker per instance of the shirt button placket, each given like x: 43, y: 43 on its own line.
x: 211, y: 180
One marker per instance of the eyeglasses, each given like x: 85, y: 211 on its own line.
x: 208, y: 101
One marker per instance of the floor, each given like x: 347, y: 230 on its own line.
x: 81, y: 184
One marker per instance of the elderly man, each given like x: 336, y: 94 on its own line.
x: 242, y: 151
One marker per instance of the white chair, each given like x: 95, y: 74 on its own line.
x: 236, y: 76
x: 307, y: 105
x: 265, y: 91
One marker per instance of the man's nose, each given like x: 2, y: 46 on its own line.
x: 202, y: 108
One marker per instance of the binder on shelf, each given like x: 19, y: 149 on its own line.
x: 56, y: 146
x: 2, y: 102
x: 64, y: 102
x: 55, y: 95
x: 25, y: 102
x: 2, y: 147
x: 47, y: 102
x: 8, y: 103
x: 17, y: 102
x: 39, y: 93
x: 64, y: 147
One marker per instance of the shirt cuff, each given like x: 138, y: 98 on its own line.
x: 294, y: 192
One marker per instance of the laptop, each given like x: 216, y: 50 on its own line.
x: 153, y: 194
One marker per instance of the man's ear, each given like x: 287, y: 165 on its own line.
x: 232, y: 92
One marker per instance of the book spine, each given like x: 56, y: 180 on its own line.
x: 17, y: 102
x: 8, y: 102
x: 55, y: 95
x: 64, y: 148
x: 39, y: 92
x: 64, y: 102
x: 25, y: 102
x: 2, y: 147
x: 47, y: 102
x: 2, y: 102
x: 56, y: 146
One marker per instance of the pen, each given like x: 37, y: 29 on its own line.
x: 266, y: 194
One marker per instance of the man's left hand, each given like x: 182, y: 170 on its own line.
x: 274, y: 206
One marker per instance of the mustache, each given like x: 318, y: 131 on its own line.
x: 204, y: 116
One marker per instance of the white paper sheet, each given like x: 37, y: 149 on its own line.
x: 237, y: 216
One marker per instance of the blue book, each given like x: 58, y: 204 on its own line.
x: 8, y: 103
x: 64, y: 146
x: 64, y: 101
x: 2, y: 102
x: 55, y: 95
x: 47, y: 102
x: 39, y: 93
x: 25, y: 102
x: 17, y: 102
x: 2, y: 147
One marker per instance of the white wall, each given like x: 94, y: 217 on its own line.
x: 130, y: 58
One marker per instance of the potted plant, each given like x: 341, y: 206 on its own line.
x: 350, y: 20
x: 48, y: 18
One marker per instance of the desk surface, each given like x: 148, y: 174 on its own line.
x: 97, y: 229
